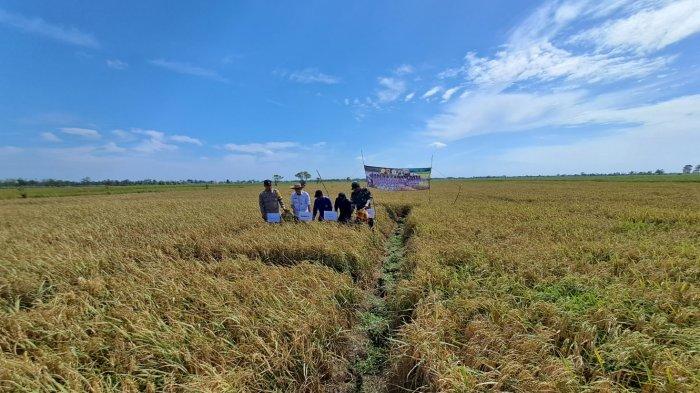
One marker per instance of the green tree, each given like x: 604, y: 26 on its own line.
x: 277, y: 178
x: 303, y: 176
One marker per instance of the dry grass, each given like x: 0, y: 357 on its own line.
x: 515, y: 286
x: 540, y: 286
x: 176, y: 291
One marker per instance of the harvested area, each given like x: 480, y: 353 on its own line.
x: 490, y: 285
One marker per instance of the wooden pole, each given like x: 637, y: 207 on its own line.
x: 322, y: 183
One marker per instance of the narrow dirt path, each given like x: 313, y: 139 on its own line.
x: 376, y: 323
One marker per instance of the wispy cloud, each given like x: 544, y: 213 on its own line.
x: 404, y: 69
x: 82, y: 132
x: 189, y: 69
x: 113, y: 148
x: 449, y: 92
x: 267, y: 148
x: 431, y: 92
x: 308, y: 75
x: 409, y: 96
x: 438, y: 145
x: 186, y: 139
x: 122, y: 134
x: 38, y: 26
x: 546, y: 47
x: 50, y: 137
x: 551, y: 75
x: 391, y: 89
x: 156, y: 142
x: 549, y: 78
x: 660, y: 135
x: 646, y: 31
x: 545, y: 62
x: 116, y: 64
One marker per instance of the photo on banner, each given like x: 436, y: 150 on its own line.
x: 330, y: 215
x: 398, y: 179
x: 305, y: 216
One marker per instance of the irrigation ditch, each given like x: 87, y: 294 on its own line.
x: 378, y: 325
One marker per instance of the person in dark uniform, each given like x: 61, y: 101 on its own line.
x: 361, y: 199
x: 344, y: 207
x: 270, y: 200
x: 321, y: 204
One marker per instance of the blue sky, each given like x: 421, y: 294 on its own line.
x: 240, y: 90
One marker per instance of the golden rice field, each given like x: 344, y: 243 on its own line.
x: 518, y: 286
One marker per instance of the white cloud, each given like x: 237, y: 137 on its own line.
x: 153, y: 145
x: 151, y: 133
x: 121, y: 134
x: 544, y: 48
x: 311, y: 75
x: 83, y: 132
x: 267, y: 148
x: 409, y: 96
x: 664, y: 135
x: 69, y: 35
x: 186, y: 139
x: 404, y: 69
x: 116, y: 64
x: 156, y: 142
x: 648, y: 30
x: 545, y: 62
x: 549, y: 84
x: 112, y: 147
x: 50, y: 137
x: 188, y: 69
x: 449, y: 92
x: 432, y: 92
x: 391, y: 89
x: 320, y: 144
x: 438, y: 145
x: 492, y: 113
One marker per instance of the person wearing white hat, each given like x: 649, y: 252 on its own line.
x: 301, y: 201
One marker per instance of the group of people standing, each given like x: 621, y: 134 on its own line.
x: 360, y: 200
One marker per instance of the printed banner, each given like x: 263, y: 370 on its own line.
x: 398, y: 179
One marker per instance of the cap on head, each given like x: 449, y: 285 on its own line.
x: 267, y: 182
x: 318, y: 194
x: 355, y: 185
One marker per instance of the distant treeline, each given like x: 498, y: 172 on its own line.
x: 109, y: 182
x: 582, y: 174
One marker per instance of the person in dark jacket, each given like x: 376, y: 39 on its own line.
x: 344, y: 207
x: 361, y: 199
x: 321, y: 204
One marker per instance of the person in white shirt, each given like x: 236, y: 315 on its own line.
x: 301, y: 202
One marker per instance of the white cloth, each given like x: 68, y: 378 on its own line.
x: 300, y: 202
